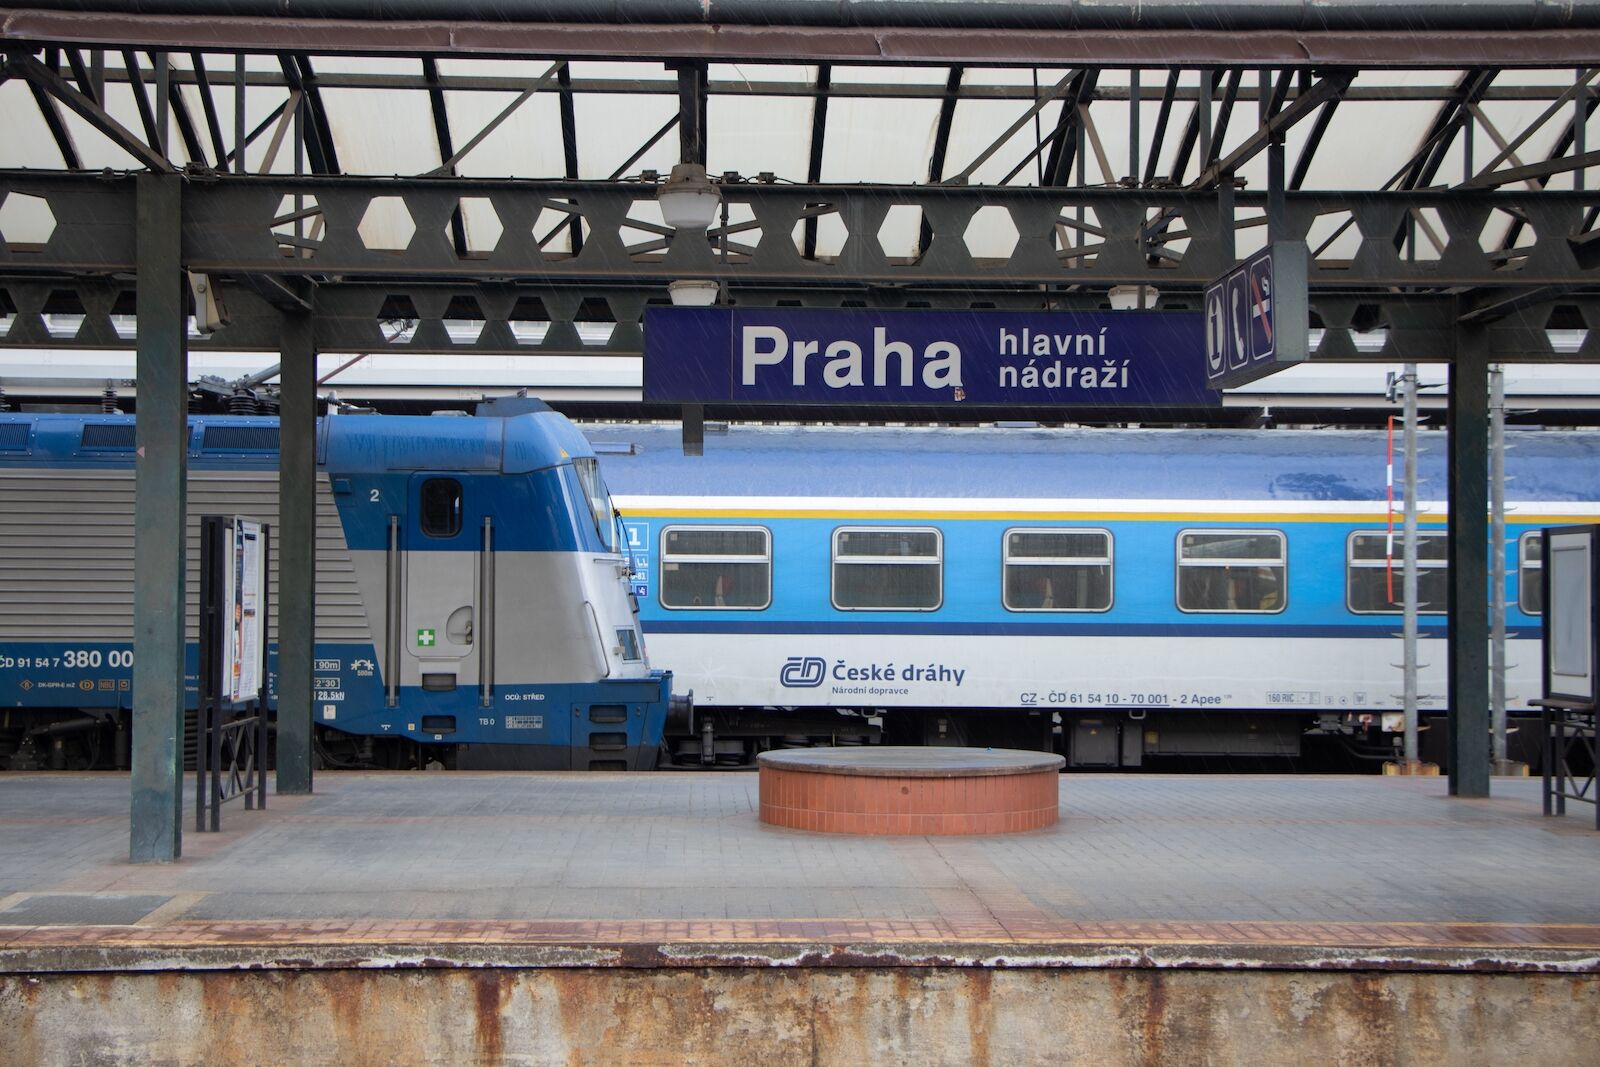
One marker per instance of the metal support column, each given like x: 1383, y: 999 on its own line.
x: 297, y: 556
x: 156, y: 810
x: 1408, y: 574
x: 1469, y: 571
x: 1497, y: 565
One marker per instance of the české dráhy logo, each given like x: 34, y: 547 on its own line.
x: 803, y: 672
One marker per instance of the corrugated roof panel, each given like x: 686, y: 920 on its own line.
x: 751, y: 134
x: 641, y: 71
x: 526, y: 145
x: 849, y: 75
x: 612, y: 127
x: 884, y: 141
x: 381, y: 132
x: 975, y: 126
x: 1354, y: 154
x: 27, y: 141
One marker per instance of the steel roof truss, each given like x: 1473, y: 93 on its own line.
x: 449, y: 165
x: 51, y: 113
x: 87, y: 109
x: 208, y: 104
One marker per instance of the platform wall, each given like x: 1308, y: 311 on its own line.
x: 797, y: 1015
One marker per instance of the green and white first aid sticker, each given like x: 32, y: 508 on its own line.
x: 425, y: 639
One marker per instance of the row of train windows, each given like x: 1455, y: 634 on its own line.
x: 902, y: 569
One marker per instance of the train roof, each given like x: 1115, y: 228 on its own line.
x: 518, y: 443
x: 1019, y: 463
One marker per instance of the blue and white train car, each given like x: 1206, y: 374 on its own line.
x: 472, y: 607
x: 1145, y: 593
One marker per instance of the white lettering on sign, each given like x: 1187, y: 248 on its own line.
x: 845, y: 364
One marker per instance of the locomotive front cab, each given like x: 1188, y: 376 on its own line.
x: 504, y: 632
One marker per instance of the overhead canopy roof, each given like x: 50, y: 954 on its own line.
x: 901, y: 107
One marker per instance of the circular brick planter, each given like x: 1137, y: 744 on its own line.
x: 881, y: 790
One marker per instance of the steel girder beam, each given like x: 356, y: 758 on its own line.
x: 755, y: 86
x: 229, y: 225
x: 350, y: 318
x: 1223, y: 42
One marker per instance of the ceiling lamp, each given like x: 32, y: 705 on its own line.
x: 697, y: 293
x: 688, y: 200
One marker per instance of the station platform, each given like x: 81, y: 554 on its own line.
x: 622, y: 918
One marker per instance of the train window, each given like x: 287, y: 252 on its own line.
x: 1232, y: 570
x: 441, y: 507
x: 1530, y: 578
x: 1374, y: 585
x: 1057, y: 570
x: 712, y: 568
x: 885, y: 569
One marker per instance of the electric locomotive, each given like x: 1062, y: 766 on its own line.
x: 473, y: 605
x: 1124, y: 595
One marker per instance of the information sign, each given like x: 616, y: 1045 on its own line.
x: 925, y: 358
x: 1256, y: 316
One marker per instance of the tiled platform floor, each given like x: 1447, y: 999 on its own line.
x: 602, y: 858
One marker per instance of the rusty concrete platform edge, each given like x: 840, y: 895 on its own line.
x: 153, y: 955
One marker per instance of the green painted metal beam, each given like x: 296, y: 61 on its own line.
x: 296, y: 539
x: 156, y: 815
x: 1469, y: 563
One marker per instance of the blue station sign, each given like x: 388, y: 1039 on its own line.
x: 884, y: 357
x: 1256, y: 316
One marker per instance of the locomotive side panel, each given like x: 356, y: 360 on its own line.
x: 66, y: 577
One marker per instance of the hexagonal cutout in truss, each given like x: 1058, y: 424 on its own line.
x: 398, y: 319
x: 125, y: 316
x: 991, y: 236
x: 1565, y: 329
x: 735, y: 241
x: 829, y: 233
x: 298, y: 226
x: 1078, y: 237
x: 63, y: 314
x: 594, y: 322
x: 474, y: 228
x: 645, y: 233
x: 26, y: 222
x: 386, y: 225
x: 1368, y: 332
x: 1333, y: 239
x: 1166, y: 237
x: 1423, y: 237
x: 463, y: 320
x: 559, y: 229
x: 1507, y: 239
x: 529, y: 321
x: 900, y: 235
